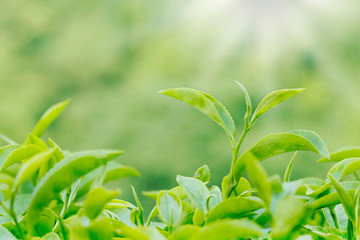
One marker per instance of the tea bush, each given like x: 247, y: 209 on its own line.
x: 48, y: 193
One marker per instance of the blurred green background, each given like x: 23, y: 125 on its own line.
x: 111, y: 57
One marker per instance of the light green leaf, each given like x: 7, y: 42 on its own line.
x: 342, y: 154
x: 48, y: 117
x: 275, y: 144
x: 96, y: 200
x: 5, y: 151
x: 58, y: 154
x: 341, y: 217
x: 63, y: 174
x: 203, y: 174
x: 112, y: 174
x: 315, y: 140
x: 30, y: 167
x: 215, y: 197
x: 242, y: 188
x: 184, y: 232
x: 330, y: 199
x: 289, y: 168
x: 206, y: 104
x: 344, y: 167
x: 289, y: 214
x: 138, y: 203
x: 259, y: 179
x: 169, y: 207
x: 32, y: 139
x: 236, y: 208
x: 20, y: 154
x: 229, y: 229
x: 196, y: 191
x: 345, y: 198
x: 51, y: 236
x: 272, y: 100
x: 5, y: 234
x: 248, y: 104
x: 327, y: 233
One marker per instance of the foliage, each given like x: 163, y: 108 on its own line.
x: 49, y: 193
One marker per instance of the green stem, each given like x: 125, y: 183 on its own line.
x: 64, y: 208
x: 12, y: 214
x: 232, y: 183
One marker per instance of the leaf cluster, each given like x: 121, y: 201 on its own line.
x: 49, y: 193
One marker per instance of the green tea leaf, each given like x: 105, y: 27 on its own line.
x: 48, y: 117
x: 345, y: 198
x: 259, y: 179
x: 5, y: 151
x: 63, y: 174
x: 97, y: 199
x: 215, y: 197
x: 342, y: 154
x: 112, y: 174
x: 20, y: 154
x: 203, y: 174
x: 315, y: 140
x: 30, y: 167
x: 169, y: 207
x: 272, y: 100
x: 195, y: 190
x: 234, y: 208
x: 206, y: 104
x: 45, y: 222
x: 248, y: 104
x: 242, y: 188
x: 329, y: 200
x: 289, y: 168
x: 229, y: 229
x: 51, y: 236
x: 184, y: 232
x: 327, y: 233
x: 32, y: 139
x: 289, y: 214
x: 275, y: 144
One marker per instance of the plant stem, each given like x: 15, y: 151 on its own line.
x: 64, y: 208
x: 232, y: 184
x: 12, y: 214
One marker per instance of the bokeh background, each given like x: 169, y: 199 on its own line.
x: 111, y: 57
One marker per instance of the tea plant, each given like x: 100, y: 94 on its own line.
x: 48, y: 193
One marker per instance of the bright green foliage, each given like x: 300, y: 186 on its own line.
x: 206, y: 104
x: 50, y: 194
x: 169, y: 207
